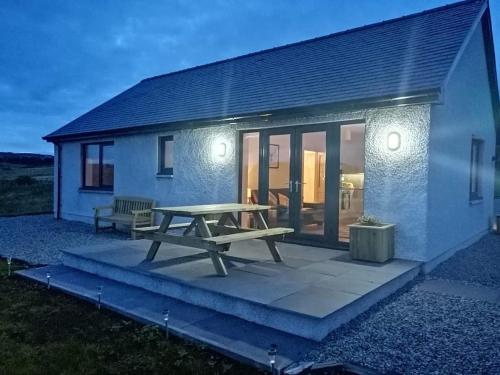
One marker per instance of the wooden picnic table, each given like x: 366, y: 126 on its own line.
x: 214, y: 236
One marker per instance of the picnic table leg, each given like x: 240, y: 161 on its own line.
x: 204, y: 230
x: 271, y: 244
x: 223, y: 218
x: 153, y: 249
x: 233, y: 219
x: 189, y: 228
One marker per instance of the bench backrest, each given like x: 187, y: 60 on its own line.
x: 125, y: 205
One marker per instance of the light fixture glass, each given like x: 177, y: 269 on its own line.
x: 393, y: 141
x: 221, y: 149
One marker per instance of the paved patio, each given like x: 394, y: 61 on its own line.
x: 311, y: 285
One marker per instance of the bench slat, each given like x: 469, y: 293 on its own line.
x: 260, y: 233
x: 123, y: 219
x: 171, y: 226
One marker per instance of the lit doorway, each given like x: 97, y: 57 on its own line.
x: 311, y: 176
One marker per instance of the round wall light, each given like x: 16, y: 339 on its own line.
x: 221, y: 149
x: 393, y: 141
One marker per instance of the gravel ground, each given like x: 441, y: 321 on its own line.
x: 38, y: 239
x: 422, y: 332
x: 478, y: 264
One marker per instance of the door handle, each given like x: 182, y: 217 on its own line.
x: 297, y: 183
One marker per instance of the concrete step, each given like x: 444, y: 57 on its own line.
x: 236, y: 338
x: 285, y: 314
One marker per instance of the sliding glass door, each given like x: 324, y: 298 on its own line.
x: 298, y: 172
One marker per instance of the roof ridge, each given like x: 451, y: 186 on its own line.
x: 306, y: 41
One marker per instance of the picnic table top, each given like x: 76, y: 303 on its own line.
x: 206, y: 209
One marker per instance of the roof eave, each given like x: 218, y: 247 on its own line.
x: 420, y: 97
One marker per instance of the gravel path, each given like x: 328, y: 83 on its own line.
x: 418, y: 331
x: 38, y: 239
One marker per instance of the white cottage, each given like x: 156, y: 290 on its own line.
x: 395, y: 119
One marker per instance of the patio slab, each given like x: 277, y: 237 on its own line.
x: 309, y: 294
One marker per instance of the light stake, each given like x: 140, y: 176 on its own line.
x: 272, y: 356
x: 48, y: 280
x: 165, y: 321
x: 99, y: 296
x: 9, y: 262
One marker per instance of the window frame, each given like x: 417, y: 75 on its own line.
x: 162, y: 170
x: 101, y: 145
x: 475, y: 172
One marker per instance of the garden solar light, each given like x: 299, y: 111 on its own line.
x: 165, y: 320
x: 99, y: 296
x: 9, y: 262
x: 272, y: 356
x: 48, y: 280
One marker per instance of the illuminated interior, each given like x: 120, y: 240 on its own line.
x: 279, y: 179
x: 250, y: 173
x: 352, y: 177
x: 310, y: 179
x: 312, y: 210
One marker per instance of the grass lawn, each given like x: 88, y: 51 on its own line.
x: 25, y: 189
x: 47, y: 332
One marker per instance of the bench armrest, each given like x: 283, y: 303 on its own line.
x: 137, y: 213
x: 100, y: 208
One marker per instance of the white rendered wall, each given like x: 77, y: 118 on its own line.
x: 55, y: 190
x: 395, y: 181
x: 467, y: 111
x: 199, y: 177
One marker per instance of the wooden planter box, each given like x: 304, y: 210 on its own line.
x: 371, y: 243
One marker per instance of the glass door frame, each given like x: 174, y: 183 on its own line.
x: 330, y: 239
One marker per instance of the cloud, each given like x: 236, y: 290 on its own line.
x: 60, y: 58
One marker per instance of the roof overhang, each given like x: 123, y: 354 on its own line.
x: 420, y: 97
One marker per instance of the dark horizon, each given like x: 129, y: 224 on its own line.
x: 82, y: 55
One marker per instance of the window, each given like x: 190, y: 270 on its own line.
x: 166, y: 155
x: 476, y: 161
x: 98, y: 166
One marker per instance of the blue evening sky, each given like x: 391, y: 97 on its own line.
x: 59, y: 59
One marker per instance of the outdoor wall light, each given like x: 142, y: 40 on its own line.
x: 393, y: 141
x: 221, y: 149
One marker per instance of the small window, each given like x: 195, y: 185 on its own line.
x: 166, y: 155
x: 476, y: 162
x: 98, y: 166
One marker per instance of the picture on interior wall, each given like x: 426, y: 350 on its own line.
x: 274, y: 156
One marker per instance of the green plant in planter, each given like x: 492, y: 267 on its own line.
x: 371, y: 221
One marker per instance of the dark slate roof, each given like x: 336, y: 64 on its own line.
x: 388, y: 59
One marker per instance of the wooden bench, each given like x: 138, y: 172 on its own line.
x: 131, y: 211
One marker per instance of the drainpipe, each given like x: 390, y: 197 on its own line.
x: 58, y: 181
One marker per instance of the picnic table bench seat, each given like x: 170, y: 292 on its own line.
x: 248, y: 235
x: 155, y: 228
x: 131, y: 211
